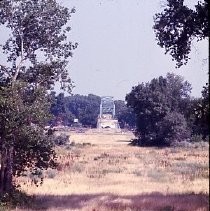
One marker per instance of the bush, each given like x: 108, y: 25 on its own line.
x: 173, y: 129
x: 61, y: 139
x: 188, y: 145
x: 198, y: 138
x: 169, y: 131
x: 13, y: 199
x: 51, y: 173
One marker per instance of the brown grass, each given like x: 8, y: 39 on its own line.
x: 107, y: 174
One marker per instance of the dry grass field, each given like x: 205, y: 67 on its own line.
x: 101, y: 172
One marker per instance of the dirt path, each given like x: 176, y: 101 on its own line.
x: 101, y: 172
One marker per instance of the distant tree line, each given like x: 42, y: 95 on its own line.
x: 161, y: 111
x: 67, y: 108
x: 86, y: 109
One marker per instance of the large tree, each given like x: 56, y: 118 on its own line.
x: 178, y: 25
x: 156, y: 104
x: 37, y: 56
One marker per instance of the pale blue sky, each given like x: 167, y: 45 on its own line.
x: 117, y: 48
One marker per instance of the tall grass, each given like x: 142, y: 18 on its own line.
x: 109, y: 175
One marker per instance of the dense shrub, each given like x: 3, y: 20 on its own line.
x: 172, y: 129
x: 13, y: 199
x: 61, y: 139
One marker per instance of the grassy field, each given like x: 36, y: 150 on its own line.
x: 101, y: 172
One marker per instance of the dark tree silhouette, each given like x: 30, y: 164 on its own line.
x: 178, y: 25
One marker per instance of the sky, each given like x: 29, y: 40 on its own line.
x: 117, y: 48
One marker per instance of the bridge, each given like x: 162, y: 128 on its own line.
x: 106, y: 117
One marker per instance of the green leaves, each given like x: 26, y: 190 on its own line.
x: 178, y: 25
x: 202, y: 113
x: 124, y: 115
x: 23, y: 114
x: 157, y: 107
x: 37, y: 53
x: 84, y: 108
x: 37, y: 28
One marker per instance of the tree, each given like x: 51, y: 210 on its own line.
x: 125, y: 115
x: 202, y: 113
x: 84, y: 108
x: 178, y: 25
x: 59, y: 109
x: 171, y: 129
x: 187, y: 108
x: 37, y: 28
x: 154, y: 103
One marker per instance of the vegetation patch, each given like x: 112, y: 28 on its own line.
x: 157, y: 175
x: 15, y: 198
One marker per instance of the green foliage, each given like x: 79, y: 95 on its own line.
x: 172, y: 129
x: 202, y: 113
x: 125, y: 115
x: 51, y: 173
x: 175, y: 29
x: 159, y: 121
x: 25, y: 81
x: 86, y: 110
x: 178, y: 25
x: 59, y: 110
x: 83, y: 108
x: 187, y: 108
x: 198, y: 139
x: 61, y: 139
x: 22, y: 117
x: 14, y: 199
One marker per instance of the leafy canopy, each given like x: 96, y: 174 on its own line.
x: 37, y: 53
x: 125, y: 115
x: 83, y: 108
x: 156, y: 104
x: 202, y: 113
x: 178, y: 25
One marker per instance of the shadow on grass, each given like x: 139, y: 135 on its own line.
x: 124, y: 141
x: 105, y: 202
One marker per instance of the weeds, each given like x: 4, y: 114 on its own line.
x: 157, y: 175
x: 51, y: 173
x: 191, y: 170
x: 15, y: 198
x: 138, y: 173
x: 77, y: 168
x: 101, y: 172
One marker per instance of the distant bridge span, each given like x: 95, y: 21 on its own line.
x: 106, y: 117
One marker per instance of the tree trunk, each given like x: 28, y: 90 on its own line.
x: 2, y: 169
x: 6, y: 170
x: 9, y: 170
